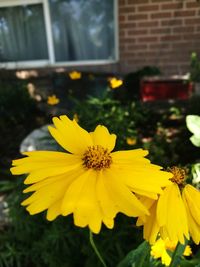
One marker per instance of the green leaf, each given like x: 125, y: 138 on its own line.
x: 193, y: 124
x: 138, y: 257
x: 177, y: 254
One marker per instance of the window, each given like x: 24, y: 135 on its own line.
x: 57, y: 32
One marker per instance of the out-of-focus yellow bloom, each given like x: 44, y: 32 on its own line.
x: 176, y: 213
x: 75, y: 75
x: 53, y: 100
x: 131, y: 141
x: 115, y: 83
x: 161, y: 250
x: 88, y: 180
x: 76, y: 118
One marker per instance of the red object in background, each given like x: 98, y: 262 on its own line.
x: 155, y: 89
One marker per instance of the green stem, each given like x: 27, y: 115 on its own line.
x: 95, y: 249
x: 178, y: 252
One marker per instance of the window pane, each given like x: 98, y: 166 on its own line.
x: 83, y: 29
x: 22, y: 33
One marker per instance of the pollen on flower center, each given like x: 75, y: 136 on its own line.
x: 178, y: 175
x: 97, y: 158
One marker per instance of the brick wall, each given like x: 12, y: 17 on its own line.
x: 162, y: 33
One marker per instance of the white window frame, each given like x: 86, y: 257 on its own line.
x: 50, y: 46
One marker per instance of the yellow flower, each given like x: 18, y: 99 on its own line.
x: 76, y: 118
x: 176, y: 213
x: 53, y: 100
x: 115, y: 83
x: 75, y: 75
x: 89, y: 181
x: 161, y: 249
x: 131, y: 141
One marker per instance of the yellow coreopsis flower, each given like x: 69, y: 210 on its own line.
x: 76, y: 118
x: 131, y: 141
x: 75, y: 75
x: 53, y: 100
x: 176, y: 213
x: 89, y: 181
x: 115, y: 83
x: 161, y: 249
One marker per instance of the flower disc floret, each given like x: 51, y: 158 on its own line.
x: 97, y: 158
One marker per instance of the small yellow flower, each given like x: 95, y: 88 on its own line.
x: 88, y: 180
x: 115, y: 83
x: 161, y: 250
x: 53, y: 100
x: 176, y: 213
x: 76, y: 118
x: 75, y: 75
x: 131, y: 141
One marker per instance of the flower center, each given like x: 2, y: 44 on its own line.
x: 179, y: 175
x: 97, y: 158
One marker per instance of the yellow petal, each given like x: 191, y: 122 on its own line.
x: 151, y: 227
x: 192, y: 197
x: 102, y: 137
x: 70, y: 135
x: 46, y: 196
x: 86, y: 207
x: 194, y: 227
x: 130, y: 155
x: 73, y: 193
x: 171, y: 214
x: 126, y: 201
x: 143, y: 181
x: 68, y: 175
x: 109, y: 208
x: 54, y: 210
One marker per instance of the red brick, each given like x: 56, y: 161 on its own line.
x: 183, y: 29
x: 135, y: 2
x: 194, y: 4
x: 170, y: 38
x: 122, y: 33
x: 127, y: 25
x: 147, y: 39
x: 137, y: 47
x: 122, y: 18
x: 126, y: 9
x: 147, y: 8
x: 161, y: 30
x: 160, y: 46
x: 172, y: 5
x: 122, y: 2
x: 191, y: 36
x: 192, y: 21
x: 137, y: 32
x: 137, y: 17
x: 171, y: 22
x: 127, y: 40
x: 184, y: 13
x: 148, y: 24
x: 158, y: 1
x: 161, y: 15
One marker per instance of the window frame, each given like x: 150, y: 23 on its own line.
x: 50, y: 46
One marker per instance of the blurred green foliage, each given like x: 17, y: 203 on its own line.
x: 17, y: 117
x: 194, y: 68
x: 32, y: 241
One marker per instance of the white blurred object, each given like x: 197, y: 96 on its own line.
x: 39, y: 139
